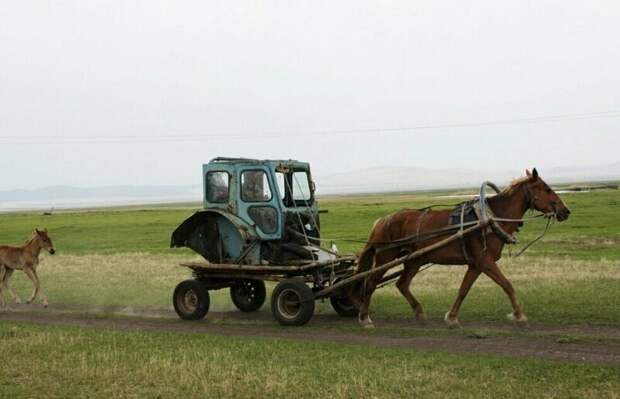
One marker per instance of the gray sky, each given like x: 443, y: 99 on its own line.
x: 143, y: 92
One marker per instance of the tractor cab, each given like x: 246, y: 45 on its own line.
x: 254, y: 212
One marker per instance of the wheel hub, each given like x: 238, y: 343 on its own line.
x: 289, y: 303
x: 190, y: 300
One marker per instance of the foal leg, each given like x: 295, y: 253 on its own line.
x: 451, y: 318
x: 403, y: 285
x: 492, y: 270
x: 41, y: 293
x: 5, y: 281
x: 35, y: 284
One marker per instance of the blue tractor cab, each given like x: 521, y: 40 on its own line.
x: 254, y: 212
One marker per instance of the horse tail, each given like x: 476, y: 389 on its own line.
x: 366, y: 258
x: 364, y: 262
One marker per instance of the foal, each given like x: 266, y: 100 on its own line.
x: 480, y: 251
x: 24, y: 258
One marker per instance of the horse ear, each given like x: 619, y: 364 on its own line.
x: 528, y: 173
x: 535, y: 174
x: 36, y: 230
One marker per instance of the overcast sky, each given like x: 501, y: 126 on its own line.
x: 143, y: 92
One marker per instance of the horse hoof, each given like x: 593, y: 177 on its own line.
x: 18, y: 301
x: 45, y: 304
x: 366, y: 323
x: 452, y: 322
x: 521, y: 320
x: 421, y: 318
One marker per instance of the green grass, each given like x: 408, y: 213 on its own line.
x: 592, y: 232
x: 72, y: 362
x: 101, y: 231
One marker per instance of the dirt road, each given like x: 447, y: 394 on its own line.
x: 575, y: 343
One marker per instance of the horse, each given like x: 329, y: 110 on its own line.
x: 25, y: 258
x: 479, y: 250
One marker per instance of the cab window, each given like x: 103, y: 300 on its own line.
x: 218, y: 187
x: 255, y: 186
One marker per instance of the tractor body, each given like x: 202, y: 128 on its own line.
x: 254, y: 212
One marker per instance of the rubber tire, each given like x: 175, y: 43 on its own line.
x: 344, y: 306
x: 239, y: 299
x: 293, y: 287
x: 203, y: 300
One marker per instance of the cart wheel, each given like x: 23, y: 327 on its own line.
x: 292, y: 302
x: 248, y: 295
x: 191, y: 300
x: 344, y: 306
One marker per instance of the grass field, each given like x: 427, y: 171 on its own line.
x: 592, y: 232
x: 119, y: 261
x: 103, y: 364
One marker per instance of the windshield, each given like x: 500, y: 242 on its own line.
x: 295, y: 188
x: 301, y: 186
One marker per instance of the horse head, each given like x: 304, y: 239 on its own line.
x: 44, y: 240
x: 542, y: 198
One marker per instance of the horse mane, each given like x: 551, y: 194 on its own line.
x: 31, y: 239
x: 516, y: 183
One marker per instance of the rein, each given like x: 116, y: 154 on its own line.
x: 534, y: 241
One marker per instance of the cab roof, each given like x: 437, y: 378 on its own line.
x: 250, y: 161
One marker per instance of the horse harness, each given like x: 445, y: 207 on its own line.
x: 471, y: 212
x: 464, y: 215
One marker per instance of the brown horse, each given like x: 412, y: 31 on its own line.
x: 24, y: 258
x: 480, y: 250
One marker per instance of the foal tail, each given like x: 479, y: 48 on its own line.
x: 364, y: 263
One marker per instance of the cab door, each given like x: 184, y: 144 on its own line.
x: 258, y: 201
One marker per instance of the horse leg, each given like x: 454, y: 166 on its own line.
x: 2, y: 273
x: 5, y: 281
x: 41, y: 293
x: 451, y: 318
x: 492, y: 270
x: 369, y: 287
x: 35, y: 284
x: 403, y: 285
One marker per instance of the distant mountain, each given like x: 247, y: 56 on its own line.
x: 586, y: 173
x: 371, y: 180
x: 391, y: 178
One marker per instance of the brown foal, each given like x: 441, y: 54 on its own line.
x: 25, y: 258
x: 480, y: 251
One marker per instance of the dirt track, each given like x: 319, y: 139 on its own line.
x: 576, y: 343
